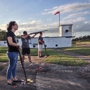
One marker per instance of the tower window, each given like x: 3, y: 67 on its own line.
x: 66, y: 31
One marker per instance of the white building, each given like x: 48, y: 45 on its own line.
x: 65, y: 30
x: 63, y: 40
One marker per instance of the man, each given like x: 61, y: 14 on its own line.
x: 40, y: 44
x: 25, y: 45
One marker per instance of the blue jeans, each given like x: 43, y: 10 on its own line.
x: 13, y: 58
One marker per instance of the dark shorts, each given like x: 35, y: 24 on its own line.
x: 25, y: 51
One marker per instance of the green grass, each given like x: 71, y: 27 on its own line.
x: 54, y: 57
x: 59, y: 58
x: 79, y: 48
x: 82, y: 42
x: 3, y: 55
x: 62, y: 59
x: 34, y: 52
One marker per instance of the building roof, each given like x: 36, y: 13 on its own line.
x: 65, y: 24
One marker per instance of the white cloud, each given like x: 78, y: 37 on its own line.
x: 68, y: 8
x: 78, y: 20
x: 3, y: 26
x: 17, y: 21
x: 35, y: 26
x: 79, y: 25
x: 49, y: 19
x: 77, y: 14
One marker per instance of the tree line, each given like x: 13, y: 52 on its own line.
x: 3, y: 35
x: 82, y: 38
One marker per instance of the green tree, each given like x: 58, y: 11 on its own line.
x: 2, y: 35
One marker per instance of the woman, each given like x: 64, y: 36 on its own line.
x: 13, y: 49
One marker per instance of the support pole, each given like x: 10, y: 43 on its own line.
x: 59, y: 19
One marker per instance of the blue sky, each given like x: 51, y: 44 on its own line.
x: 35, y: 15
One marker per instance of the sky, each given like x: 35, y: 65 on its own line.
x: 37, y: 15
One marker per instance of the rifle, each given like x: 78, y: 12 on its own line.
x: 38, y: 32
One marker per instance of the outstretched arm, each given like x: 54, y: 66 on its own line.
x: 34, y: 35
x: 24, y: 36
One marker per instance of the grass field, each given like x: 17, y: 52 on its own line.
x: 59, y: 58
x: 3, y: 54
x: 54, y: 57
x: 80, y: 47
x: 62, y: 59
x: 80, y: 50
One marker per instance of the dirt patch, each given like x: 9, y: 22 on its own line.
x: 58, y: 77
x: 35, y: 59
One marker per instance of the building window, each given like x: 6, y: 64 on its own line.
x: 56, y: 45
x: 66, y: 31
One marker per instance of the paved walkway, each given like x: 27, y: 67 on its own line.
x: 58, y: 77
